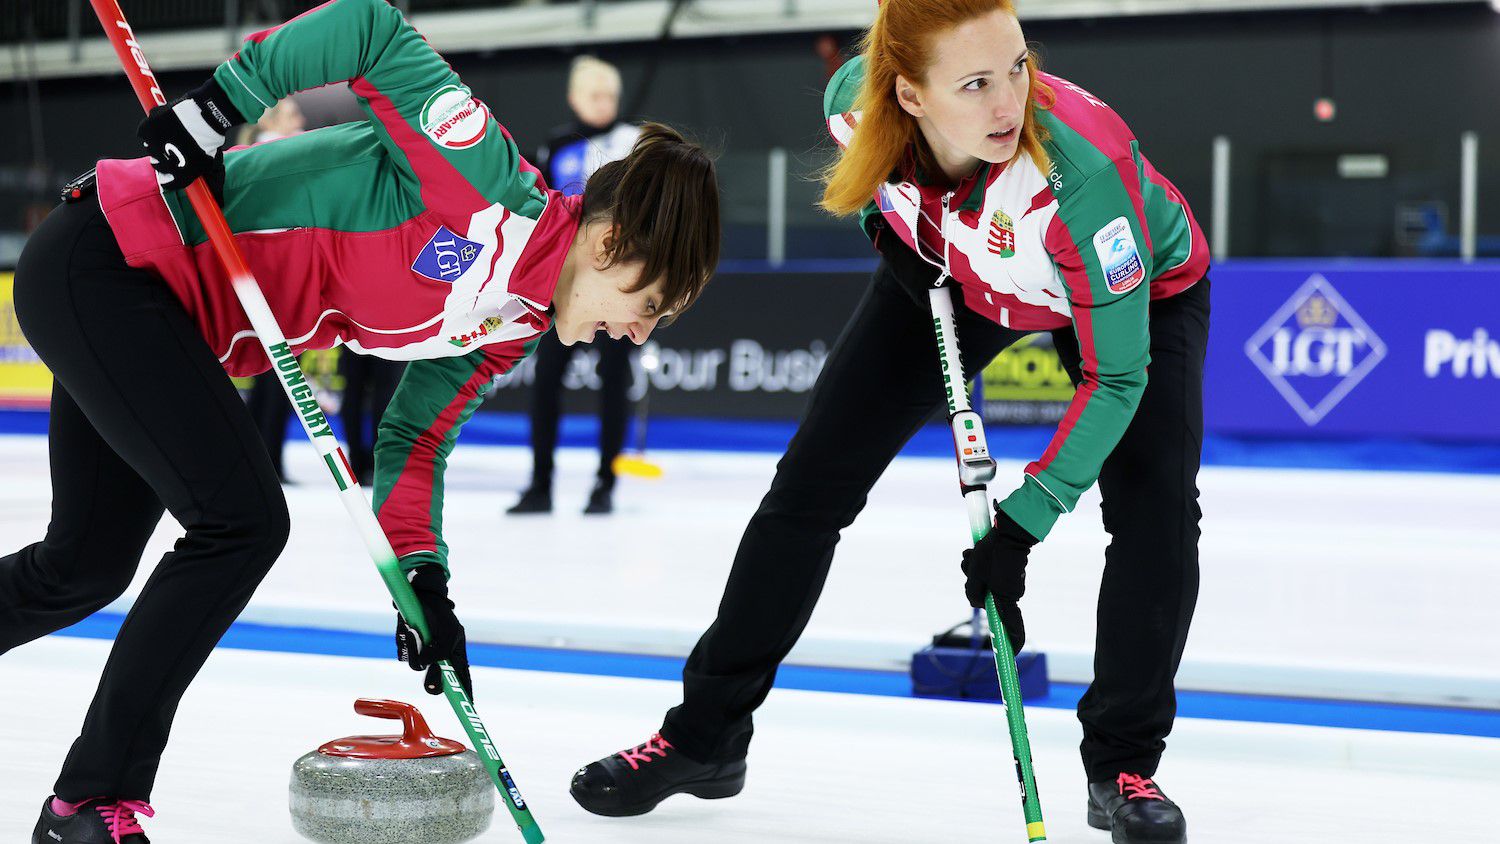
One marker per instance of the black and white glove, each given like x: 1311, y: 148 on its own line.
x: 446, y: 641
x: 997, y: 565
x: 185, y: 138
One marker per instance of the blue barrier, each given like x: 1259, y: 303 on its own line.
x: 1385, y: 364
x: 1397, y: 717
x: 1355, y: 349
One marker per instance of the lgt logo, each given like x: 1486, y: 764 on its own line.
x: 1315, y: 349
x: 446, y: 256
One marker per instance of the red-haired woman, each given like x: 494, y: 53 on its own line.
x: 965, y: 163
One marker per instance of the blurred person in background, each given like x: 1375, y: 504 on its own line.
x: 369, y: 385
x: 967, y: 166
x: 282, y: 120
x: 572, y: 154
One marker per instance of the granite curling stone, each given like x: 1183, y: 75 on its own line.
x: 414, y: 788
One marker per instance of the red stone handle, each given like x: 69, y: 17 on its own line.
x: 414, y: 728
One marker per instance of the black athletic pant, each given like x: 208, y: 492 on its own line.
x: 270, y: 410
x: 143, y: 416
x: 369, y: 384
x: 879, y: 385
x: 552, y: 359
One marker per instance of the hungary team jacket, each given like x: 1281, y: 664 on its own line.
x: 417, y: 234
x: 1089, y: 241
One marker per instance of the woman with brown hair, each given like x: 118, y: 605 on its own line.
x: 418, y: 234
x: 968, y: 165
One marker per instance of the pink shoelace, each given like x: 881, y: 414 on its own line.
x: 120, y: 815
x: 1140, y: 788
x: 642, y: 753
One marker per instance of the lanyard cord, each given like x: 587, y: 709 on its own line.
x: 944, y: 262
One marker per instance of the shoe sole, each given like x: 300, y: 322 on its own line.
x: 716, y: 789
x: 1098, y: 820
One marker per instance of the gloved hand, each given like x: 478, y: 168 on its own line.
x: 997, y: 564
x: 447, y: 635
x: 184, y: 138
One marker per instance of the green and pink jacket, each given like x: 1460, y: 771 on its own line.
x: 418, y: 234
x: 1088, y: 242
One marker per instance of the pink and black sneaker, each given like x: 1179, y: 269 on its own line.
x: 1135, y: 811
x: 99, y: 820
x: 633, y: 781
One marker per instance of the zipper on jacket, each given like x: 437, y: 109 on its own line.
x: 943, y: 233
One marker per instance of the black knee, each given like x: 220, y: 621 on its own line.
x: 254, y: 536
x: 1148, y: 490
x: 810, y: 508
x: 271, y: 531
x: 63, y: 575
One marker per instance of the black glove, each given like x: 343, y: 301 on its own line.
x: 447, y: 639
x: 997, y: 564
x: 184, y: 137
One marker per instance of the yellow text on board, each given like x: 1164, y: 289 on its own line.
x: 24, y: 381
x: 1027, y: 371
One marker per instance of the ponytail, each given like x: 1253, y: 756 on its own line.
x: 663, y: 203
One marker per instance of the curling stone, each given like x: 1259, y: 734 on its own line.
x: 414, y: 788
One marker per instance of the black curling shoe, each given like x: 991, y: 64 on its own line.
x: 633, y: 781
x: 601, y: 500
x: 1135, y: 811
x: 100, y: 821
x: 533, y: 500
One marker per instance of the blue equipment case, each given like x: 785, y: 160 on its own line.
x: 958, y: 666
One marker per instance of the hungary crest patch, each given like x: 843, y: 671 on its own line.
x: 1002, y: 238
x: 484, y: 329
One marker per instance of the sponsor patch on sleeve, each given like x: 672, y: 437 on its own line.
x: 453, y: 118
x: 1119, y: 256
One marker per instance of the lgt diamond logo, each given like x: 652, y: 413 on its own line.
x: 446, y: 256
x: 1315, y: 349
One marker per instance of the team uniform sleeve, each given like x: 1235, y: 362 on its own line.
x: 455, y: 156
x: 1099, y: 245
x: 417, y: 433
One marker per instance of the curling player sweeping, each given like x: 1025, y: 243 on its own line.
x: 417, y: 234
x: 965, y: 164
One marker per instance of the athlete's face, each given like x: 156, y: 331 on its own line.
x: 597, y: 299
x: 971, y: 105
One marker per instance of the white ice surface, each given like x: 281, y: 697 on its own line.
x: 825, y: 767
x: 1320, y: 583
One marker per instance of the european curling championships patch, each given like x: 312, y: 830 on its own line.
x: 1118, y: 255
